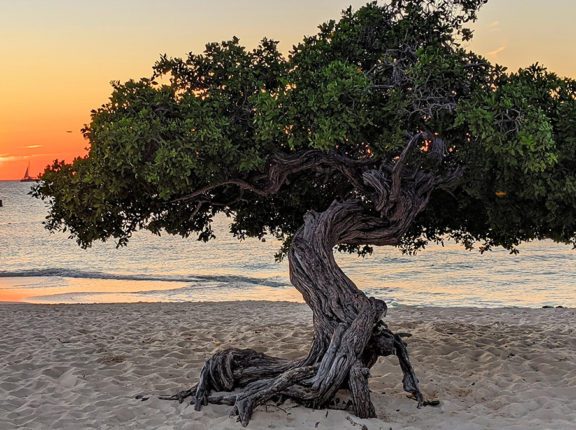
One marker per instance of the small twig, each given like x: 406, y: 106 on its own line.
x: 277, y: 407
x: 355, y: 424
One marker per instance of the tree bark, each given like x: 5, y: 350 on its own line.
x: 349, y: 334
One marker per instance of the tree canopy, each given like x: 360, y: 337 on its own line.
x: 264, y: 137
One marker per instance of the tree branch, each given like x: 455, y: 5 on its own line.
x: 281, y: 166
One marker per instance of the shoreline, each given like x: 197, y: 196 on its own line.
x: 393, y: 306
x: 82, y: 365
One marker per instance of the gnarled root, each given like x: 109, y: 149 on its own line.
x: 345, y: 363
x: 229, y: 369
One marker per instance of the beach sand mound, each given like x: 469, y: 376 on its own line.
x: 103, y: 366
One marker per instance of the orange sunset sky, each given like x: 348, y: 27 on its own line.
x: 58, y: 56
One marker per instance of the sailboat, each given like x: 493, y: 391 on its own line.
x: 27, y: 177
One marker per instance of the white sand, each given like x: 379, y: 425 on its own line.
x: 80, y: 366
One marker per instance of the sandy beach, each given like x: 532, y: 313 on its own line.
x: 82, y: 366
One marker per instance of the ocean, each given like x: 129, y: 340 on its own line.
x: 39, y: 267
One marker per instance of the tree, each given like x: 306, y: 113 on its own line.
x: 381, y: 129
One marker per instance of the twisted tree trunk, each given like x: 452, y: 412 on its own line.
x: 349, y: 335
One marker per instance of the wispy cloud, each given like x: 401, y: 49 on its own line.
x: 497, y: 51
x: 494, y: 26
x: 4, y: 158
x: 34, y: 146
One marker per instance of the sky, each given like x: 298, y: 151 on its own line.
x: 59, y: 56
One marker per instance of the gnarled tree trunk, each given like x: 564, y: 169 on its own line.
x: 349, y: 335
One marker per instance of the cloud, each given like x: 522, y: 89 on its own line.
x: 494, y: 26
x: 4, y: 158
x: 34, y: 146
x: 497, y: 51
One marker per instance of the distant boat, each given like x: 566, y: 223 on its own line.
x: 27, y: 177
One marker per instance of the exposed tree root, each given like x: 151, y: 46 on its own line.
x: 246, y: 379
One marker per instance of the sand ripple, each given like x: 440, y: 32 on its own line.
x: 81, y: 366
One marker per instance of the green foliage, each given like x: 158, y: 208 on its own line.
x: 321, y: 109
x: 356, y: 88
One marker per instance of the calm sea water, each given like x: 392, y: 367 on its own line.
x: 39, y: 267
